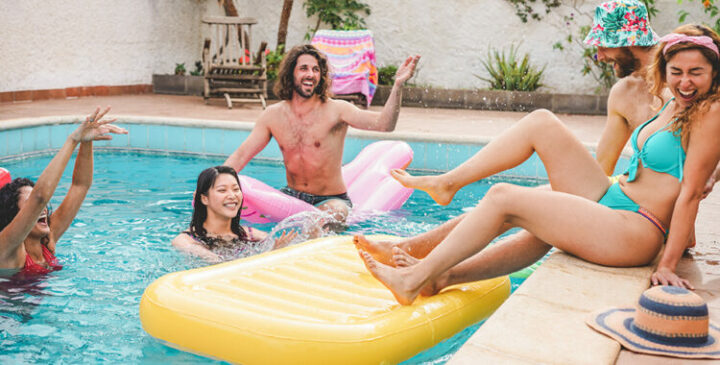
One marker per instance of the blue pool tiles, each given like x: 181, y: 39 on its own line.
x: 430, y: 156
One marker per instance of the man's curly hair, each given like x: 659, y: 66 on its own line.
x: 285, y: 85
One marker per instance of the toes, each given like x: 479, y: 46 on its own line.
x: 369, y: 261
x: 398, y: 173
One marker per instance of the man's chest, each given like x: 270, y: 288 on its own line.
x: 302, y: 134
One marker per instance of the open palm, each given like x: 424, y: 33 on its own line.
x: 407, y: 69
x: 96, y: 129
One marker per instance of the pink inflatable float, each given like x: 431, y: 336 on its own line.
x: 370, y: 186
x: 4, y: 177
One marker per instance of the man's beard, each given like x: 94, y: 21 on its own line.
x: 299, y: 90
x: 627, y: 64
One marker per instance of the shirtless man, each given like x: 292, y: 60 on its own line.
x: 310, y: 128
x: 630, y: 104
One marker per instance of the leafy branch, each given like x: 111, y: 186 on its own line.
x: 709, y: 8
x: 525, y: 9
x: 339, y: 14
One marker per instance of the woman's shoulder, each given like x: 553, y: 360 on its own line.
x: 184, y: 238
x: 708, y: 113
x: 714, y: 106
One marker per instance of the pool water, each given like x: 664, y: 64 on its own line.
x: 120, y: 242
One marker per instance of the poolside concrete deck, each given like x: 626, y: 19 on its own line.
x: 543, y: 322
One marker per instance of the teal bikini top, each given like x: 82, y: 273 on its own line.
x: 662, y: 151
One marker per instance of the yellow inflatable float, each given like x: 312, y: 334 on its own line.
x: 310, y: 303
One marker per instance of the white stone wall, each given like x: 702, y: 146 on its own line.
x: 453, y: 36
x: 65, y: 43
x: 50, y: 44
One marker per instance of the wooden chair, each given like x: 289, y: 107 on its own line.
x: 231, y: 71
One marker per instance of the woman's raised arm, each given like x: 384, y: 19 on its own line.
x: 13, y: 235
x: 81, y: 182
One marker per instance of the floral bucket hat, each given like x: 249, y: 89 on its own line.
x: 621, y: 23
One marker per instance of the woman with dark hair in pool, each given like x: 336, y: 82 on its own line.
x: 215, y: 231
x: 615, y: 224
x: 28, y: 230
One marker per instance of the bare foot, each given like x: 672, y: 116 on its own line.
x: 442, y: 193
x: 380, y: 250
x: 404, y: 259
x: 390, y: 277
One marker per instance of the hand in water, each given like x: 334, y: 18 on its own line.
x: 96, y: 129
x: 407, y: 69
x: 284, y: 239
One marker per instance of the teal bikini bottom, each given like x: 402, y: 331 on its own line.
x: 615, y: 198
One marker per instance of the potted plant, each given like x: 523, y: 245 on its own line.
x: 180, y: 69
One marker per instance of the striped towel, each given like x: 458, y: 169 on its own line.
x: 351, y: 54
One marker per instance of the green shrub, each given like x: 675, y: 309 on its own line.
x: 386, y: 74
x: 338, y: 14
x: 508, y: 72
x: 272, y: 60
x: 180, y: 69
x: 198, y: 69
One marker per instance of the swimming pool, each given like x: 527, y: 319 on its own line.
x: 119, y: 243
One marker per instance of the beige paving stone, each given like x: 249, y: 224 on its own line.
x: 583, y: 290
x: 473, y: 355
x: 528, y: 328
x: 632, y: 358
x: 564, y: 261
x: 580, y: 285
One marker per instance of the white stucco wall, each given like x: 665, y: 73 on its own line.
x: 49, y: 44
x: 56, y: 44
x: 454, y: 36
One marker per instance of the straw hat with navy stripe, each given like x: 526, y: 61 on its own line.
x: 668, y: 321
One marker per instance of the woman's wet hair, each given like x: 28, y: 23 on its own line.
x: 285, y: 85
x: 9, y: 207
x: 205, y: 181
x: 658, y: 73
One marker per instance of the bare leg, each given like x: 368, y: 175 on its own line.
x: 577, y: 225
x: 511, y: 254
x: 540, y: 131
x: 418, y: 246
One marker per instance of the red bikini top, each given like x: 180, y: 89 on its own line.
x: 31, y: 268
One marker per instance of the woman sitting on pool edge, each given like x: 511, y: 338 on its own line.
x: 215, y: 232
x: 623, y: 224
x: 28, y: 230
